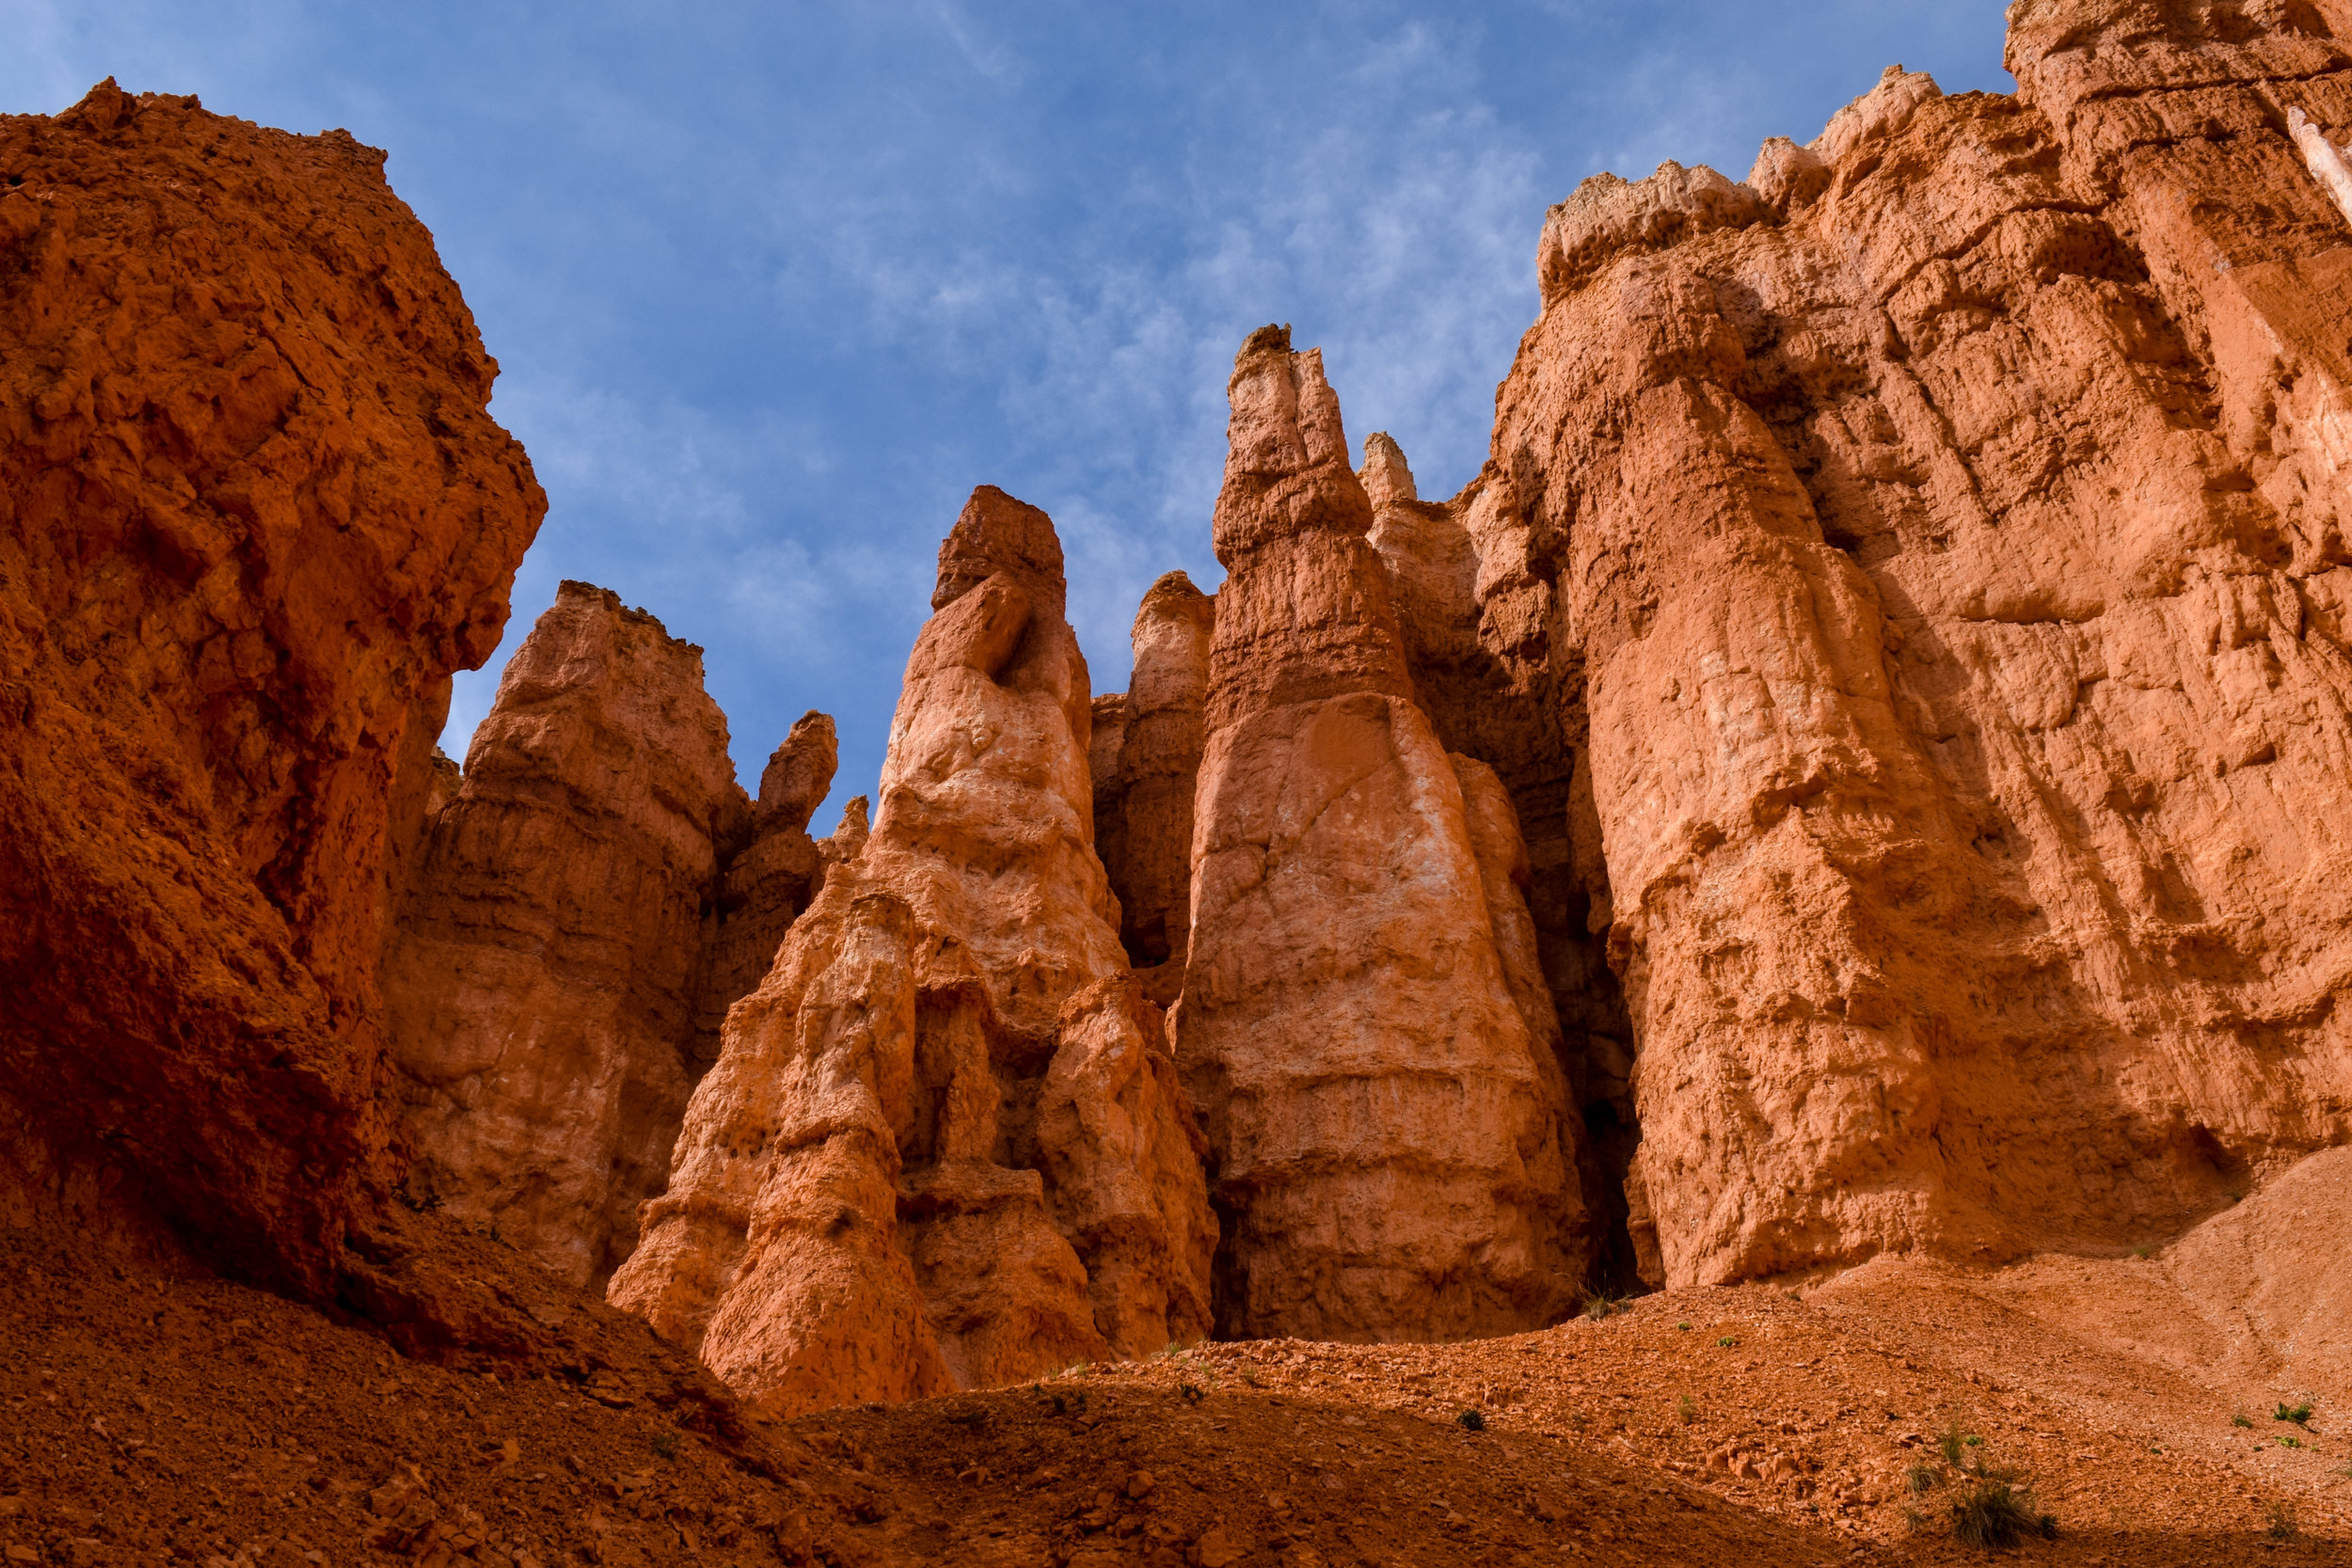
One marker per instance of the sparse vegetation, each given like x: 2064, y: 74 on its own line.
x: 1600, y: 1304
x: 2299, y: 1414
x: 1997, y: 1513
x: 2283, y: 1524
x: 2141, y: 1252
x: 1953, y: 1444
x: 2290, y: 1442
x: 1471, y: 1421
x: 1726, y: 1341
x: 1685, y: 1327
x: 2241, y: 1419
x: 665, y: 1443
x: 1687, y: 1408
x: 1250, y: 1375
x: 1921, y: 1479
x: 1191, y: 1393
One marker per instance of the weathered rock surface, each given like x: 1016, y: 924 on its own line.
x: 1471, y: 595
x: 1392, y: 1145
x: 1944, y: 558
x: 1147, y: 762
x: 944, y: 1144
x: 252, y: 514
x: 598, y: 888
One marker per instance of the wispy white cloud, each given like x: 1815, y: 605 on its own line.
x: 775, y: 284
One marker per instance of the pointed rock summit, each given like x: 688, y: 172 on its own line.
x: 1388, y: 1130
x: 945, y: 1146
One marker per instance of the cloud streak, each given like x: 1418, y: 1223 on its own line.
x: 774, y: 285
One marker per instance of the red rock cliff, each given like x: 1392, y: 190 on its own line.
x: 252, y: 514
x: 1942, y: 537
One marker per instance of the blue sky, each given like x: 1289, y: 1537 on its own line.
x: 773, y: 285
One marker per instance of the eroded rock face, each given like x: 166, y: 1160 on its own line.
x: 252, y: 514
x: 598, y: 888
x: 1946, y: 557
x: 944, y: 1144
x: 1390, y: 1135
x: 1147, y: 762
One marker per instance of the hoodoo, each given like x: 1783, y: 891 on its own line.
x: 944, y: 1144
x: 1853, y: 802
x: 253, y: 513
x: 1390, y: 1135
x: 580, y: 918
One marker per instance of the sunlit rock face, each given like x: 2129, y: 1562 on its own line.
x: 1390, y: 1144
x: 1949, y: 551
x: 944, y: 1144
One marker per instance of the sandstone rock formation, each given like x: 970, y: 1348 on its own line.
x: 1940, y: 548
x: 593, y: 899
x: 1147, y: 762
x: 1391, y: 1141
x: 252, y: 514
x: 944, y: 1144
x: 1471, y: 593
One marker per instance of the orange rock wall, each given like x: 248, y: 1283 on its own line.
x: 1946, y: 532
x: 252, y: 514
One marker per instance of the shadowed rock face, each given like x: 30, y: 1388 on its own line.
x: 252, y: 514
x: 1390, y: 1137
x: 586, y: 908
x: 1147, y: 762
x: 944, y: 1144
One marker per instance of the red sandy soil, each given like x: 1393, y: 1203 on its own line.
x: 157, y: 1415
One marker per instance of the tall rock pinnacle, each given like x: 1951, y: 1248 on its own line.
x: 1389, y: 1136
x: 944, y: 1144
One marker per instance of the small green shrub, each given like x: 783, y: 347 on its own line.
x: 2290, y: 1442
x: 1685, y: 1327
x: 1952, y: 1442
x: 2140, y: 1252
x: 1471, y: 1421
x: 665, y: 1443
x: 1727, y: 1342
x: 2299, y: 1414
x: 2283, y: 1524
x: 1687, y: 1408
x: 2241, y: 1419
x: 1191, y: 1393
x: 1997, y: 1515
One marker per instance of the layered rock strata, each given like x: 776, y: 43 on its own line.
x: 253, y: 513
x: 1147, y: 763
x: 598, y: 887
x: 1944, y: 533
x: 1392, y: 1145
x: 944, y: 1144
